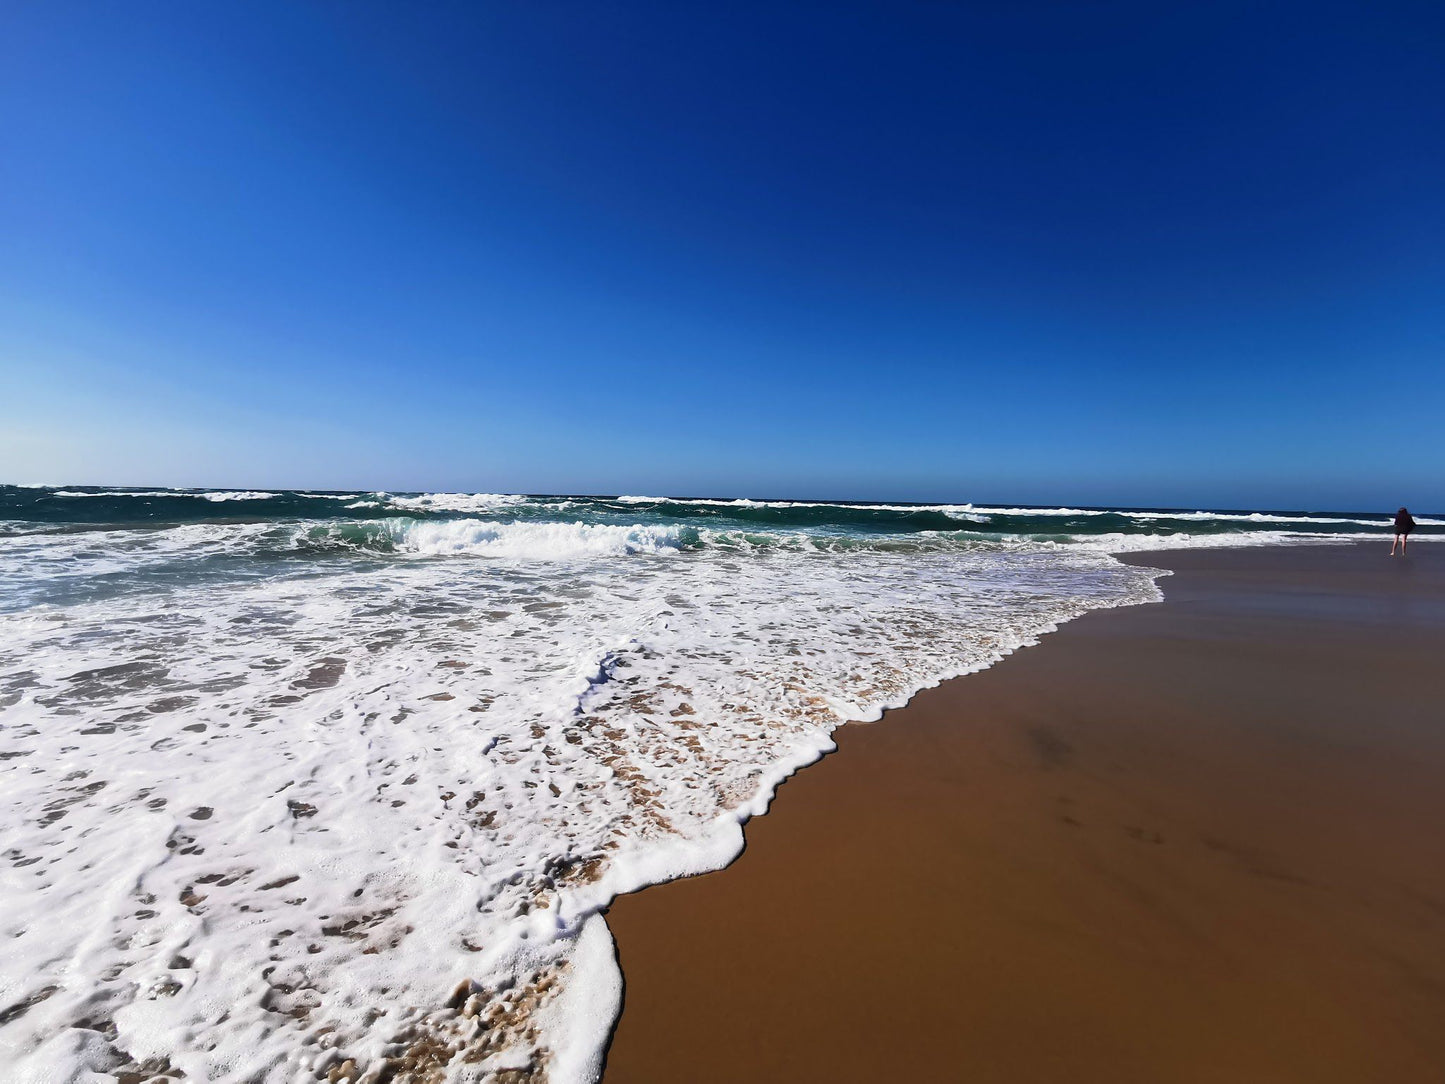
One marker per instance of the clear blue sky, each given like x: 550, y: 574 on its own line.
x: 1080, y: 252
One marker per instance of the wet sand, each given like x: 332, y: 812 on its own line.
x: 1196, y: 841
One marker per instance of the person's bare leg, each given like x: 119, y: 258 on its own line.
x: 1404, y: 543
x: 1393, y: 545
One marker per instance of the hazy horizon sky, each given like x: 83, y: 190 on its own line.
x: 1138, y: 254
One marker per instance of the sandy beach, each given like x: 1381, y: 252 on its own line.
x: 1193, y: 841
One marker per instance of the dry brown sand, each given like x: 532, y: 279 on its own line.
x: 1197, y: 841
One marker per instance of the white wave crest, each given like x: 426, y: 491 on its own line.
x: 202, y: 494
x: 120, y: 493
x: 990, y: 510
x: 958, y: 511
x: 532, y: 541
x: 455, y: 502
x: 235, y: 495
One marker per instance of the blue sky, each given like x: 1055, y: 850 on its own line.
x: 1086, y: 253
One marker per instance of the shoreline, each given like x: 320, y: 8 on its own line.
x: 1161, y: 847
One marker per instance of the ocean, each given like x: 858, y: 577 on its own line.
x: 323, y: 786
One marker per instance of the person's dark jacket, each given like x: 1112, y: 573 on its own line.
x: 1404, y: 522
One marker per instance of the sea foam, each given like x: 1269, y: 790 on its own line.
x: 369, y: 808
x: 532, y: 541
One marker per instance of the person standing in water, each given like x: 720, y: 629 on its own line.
x: 1404, y: 524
